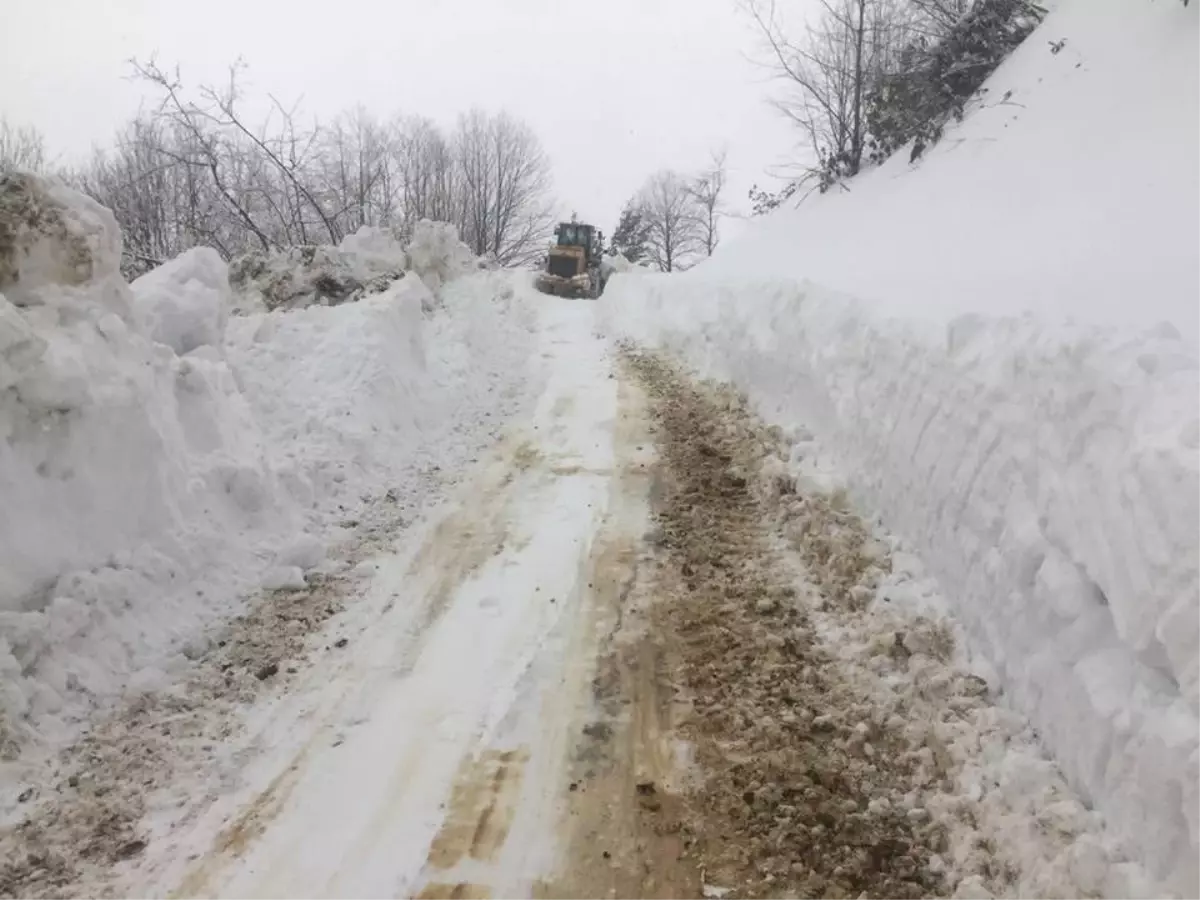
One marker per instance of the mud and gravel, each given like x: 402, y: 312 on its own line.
x: 89, y: 818
x: 800, y: 777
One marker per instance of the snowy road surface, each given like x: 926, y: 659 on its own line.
x: 436, y: 753
x: 633, y: 655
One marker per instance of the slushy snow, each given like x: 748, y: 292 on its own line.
x: 163, y: 459
x: 998, y: 346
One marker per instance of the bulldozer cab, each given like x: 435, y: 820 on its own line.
x: 573, y: 234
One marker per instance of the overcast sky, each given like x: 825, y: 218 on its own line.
x: 613, y: 89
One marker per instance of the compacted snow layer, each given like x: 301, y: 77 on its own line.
x: 161, y: 459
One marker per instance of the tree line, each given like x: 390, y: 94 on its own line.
x: 863, y: 78
x: 674, y: 220
x: 195, y: 171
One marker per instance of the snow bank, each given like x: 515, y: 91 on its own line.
x: 160, y: 460
x: 926, y: 324
x: 185, y: 303
x: 364, y: 263
x: 348, y: 393
x: 127, y: 471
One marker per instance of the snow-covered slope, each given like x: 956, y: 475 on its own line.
x: 1091, y: 158
x: 921, y: 323
x: 161, y: 459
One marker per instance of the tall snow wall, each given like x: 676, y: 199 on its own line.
x: 998, y: 345
x: 129, y: 468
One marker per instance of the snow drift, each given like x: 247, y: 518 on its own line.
x: 162, y: 458
x: 929, y: 324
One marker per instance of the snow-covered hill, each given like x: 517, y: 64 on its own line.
x: 996, y: 347
x: 1069, y: 190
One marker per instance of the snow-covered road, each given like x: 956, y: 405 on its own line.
x: 435, y: 753
x: 633, y: 654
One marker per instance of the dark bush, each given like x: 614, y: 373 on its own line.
x: 935, y: 79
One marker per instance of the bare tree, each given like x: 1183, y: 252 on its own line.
x: 194, y: 171
x: 940, y: 15
x: 21, y: 148
x: 226, y: 116
x: 358, y: 171
x: 205, y: 148
x: 155, y: 200
x: 505, y: 181
x: 668, y: 213
x: 426, y: 172
x: 830, y: 69
x: 706, y: 190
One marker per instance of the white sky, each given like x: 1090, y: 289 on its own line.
x: 614, y: 89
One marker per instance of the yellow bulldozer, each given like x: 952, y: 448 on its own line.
x: 575, y: 265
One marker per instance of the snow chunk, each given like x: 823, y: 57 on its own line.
x: 284, y: 578
x: 436, y: 254
x: 972, y: 888
x: 305, y: 552
x: 374, y: 251
x: 185, y: 302
x: 364, y: 263
x: 300, y: 277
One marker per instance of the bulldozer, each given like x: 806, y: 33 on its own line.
x: 575, y: 264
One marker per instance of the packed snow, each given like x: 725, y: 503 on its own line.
x: 997, y: 346
x: 164, y: 459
